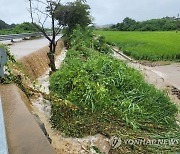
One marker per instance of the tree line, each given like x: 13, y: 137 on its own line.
x: 25, y: 27
x: 163, y: 24
x: 4, y: 25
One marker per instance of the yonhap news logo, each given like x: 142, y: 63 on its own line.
x: 116, y: 142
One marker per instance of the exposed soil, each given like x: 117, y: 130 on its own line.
x: 37, y: 63
x: 84, y: 145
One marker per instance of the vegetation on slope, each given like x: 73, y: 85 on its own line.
x: 10, y: 72
x: 103, y: 95
x: 151, y: 46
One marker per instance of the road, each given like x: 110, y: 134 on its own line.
x: 21, y: 48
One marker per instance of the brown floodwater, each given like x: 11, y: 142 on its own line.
x: 23, y: 134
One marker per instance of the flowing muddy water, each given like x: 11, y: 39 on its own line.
x: 60, y: 143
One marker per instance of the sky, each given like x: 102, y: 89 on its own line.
x: 103, y: 11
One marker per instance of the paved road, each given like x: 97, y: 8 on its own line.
x: 23, y: 48
x: 24, y: 136
x: 23, y: 133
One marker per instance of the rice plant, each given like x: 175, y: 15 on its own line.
x: 153, y: 46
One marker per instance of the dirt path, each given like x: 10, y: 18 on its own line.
x: 160, y: 76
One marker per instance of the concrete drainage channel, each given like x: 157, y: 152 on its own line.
x: 3, y: 140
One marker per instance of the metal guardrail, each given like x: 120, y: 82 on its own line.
x: 3, y: 140
x: 18, y: 36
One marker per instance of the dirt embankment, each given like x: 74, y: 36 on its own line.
x: 37, y: 63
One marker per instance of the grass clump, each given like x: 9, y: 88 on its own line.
x: 105, y: 96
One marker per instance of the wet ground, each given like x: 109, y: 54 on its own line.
x: 159, y: 75
x: 62, y: 144
x: 171, y: 73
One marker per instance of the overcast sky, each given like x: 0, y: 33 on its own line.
x: 103, y: 11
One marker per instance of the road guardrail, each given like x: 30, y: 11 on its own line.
x: 3, y: 140
x: 20, y: 36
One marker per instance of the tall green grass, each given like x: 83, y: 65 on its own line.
x: 97, y: 83
x: 152, y: 46
x: 104, y: 95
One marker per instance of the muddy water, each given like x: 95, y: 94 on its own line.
x: 42, y: 84
x: 23, y: 133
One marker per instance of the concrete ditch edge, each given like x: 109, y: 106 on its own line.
x: 23, y: 134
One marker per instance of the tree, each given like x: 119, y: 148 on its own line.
x: 41, y: 12
x: 127, y: 23
x: 72, y: 14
